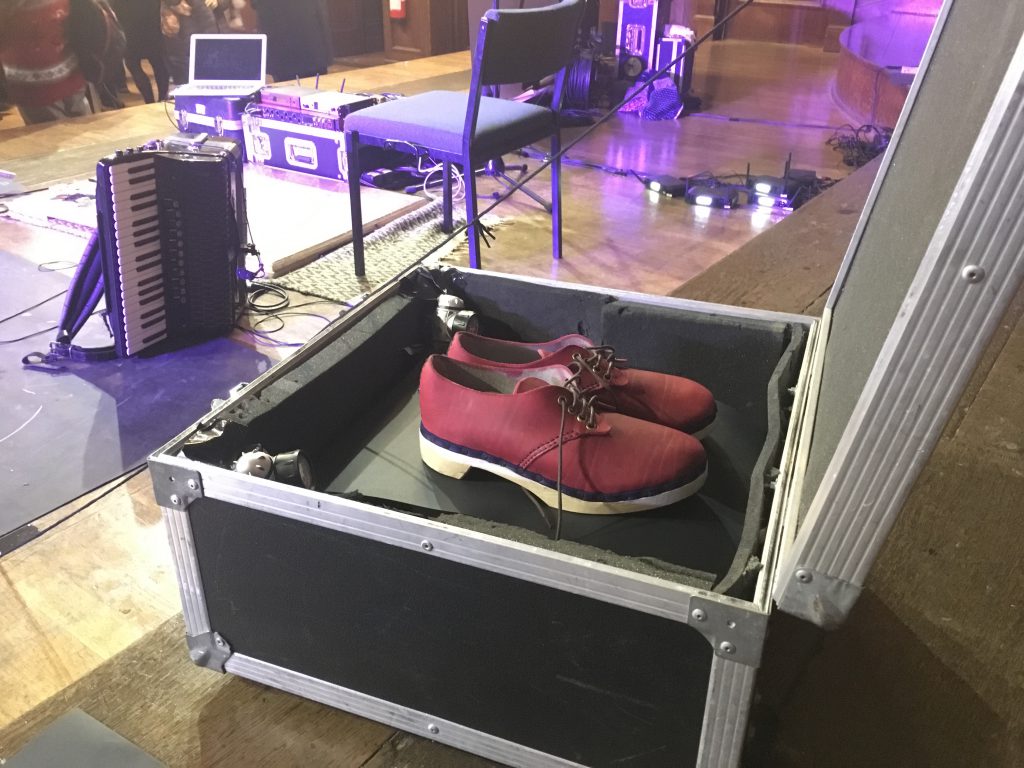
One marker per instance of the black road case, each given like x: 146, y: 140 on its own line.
x: 445, y: 608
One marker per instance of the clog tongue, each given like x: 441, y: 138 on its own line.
x: 527, y: 384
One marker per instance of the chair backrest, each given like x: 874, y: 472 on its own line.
x: 525, y: 45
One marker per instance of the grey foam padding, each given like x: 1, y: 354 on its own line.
x: 530, y: 312
x: 75, y: 739
x: 747, y: 364
x: 955, y: 95
x: 301, y: 410
x: 731, y: 357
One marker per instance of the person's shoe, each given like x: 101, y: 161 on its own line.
x: 537, y: 429
x: 674, y: 401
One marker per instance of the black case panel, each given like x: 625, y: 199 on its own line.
x: 570, y: 676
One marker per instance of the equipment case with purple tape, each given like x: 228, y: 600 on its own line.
x: 295, y: 147
x: 218, y: 115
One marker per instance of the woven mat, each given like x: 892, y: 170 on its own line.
x: 389, y: 251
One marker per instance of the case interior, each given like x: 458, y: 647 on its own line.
x: 353, y: 409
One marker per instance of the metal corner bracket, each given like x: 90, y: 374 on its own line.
x: 735, y: 633
x: 175, y: 487
x: 818, y: 597
x: 208, y: 650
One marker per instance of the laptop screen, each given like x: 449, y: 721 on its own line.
x: 224, y: 58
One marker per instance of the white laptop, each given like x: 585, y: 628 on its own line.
x: 225, y: 65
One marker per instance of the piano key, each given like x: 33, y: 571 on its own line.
x: 131, y: 281
x: 131, y: 194
x: 135, y: 347
x: 133, y: 169
x: 136, y: 328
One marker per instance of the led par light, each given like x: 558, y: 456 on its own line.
x: 670, y: 186
x: 711, y: 197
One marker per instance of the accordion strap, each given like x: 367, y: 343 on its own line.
x: 83, y: 296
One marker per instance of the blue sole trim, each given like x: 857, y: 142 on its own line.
x: 640, y: 493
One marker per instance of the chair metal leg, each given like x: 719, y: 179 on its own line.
x: 473, y: 232
x: 446, y: 221
x: 356, y: 205
x: 497, y: 170
x: 556, y: 196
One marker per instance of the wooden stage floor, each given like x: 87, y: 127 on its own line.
x: 79, y: 596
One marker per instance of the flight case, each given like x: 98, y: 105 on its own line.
x: 446, y: 608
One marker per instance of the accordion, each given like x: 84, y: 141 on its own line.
x: 171, y: 233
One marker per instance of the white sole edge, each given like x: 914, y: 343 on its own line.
x: 456, y: 465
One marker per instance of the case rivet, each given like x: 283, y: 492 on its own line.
x: 973, y: 273
x: 193, y: 485
x: 433, y: 728
x: 175, y: 500
x: 426, y: 546
x: 219, y: 641
x: 726, y: 647
x: 804, y: 576
x: 698, y: 614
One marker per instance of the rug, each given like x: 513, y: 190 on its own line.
x: 389, y: 251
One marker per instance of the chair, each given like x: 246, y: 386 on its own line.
x: 513, y: 46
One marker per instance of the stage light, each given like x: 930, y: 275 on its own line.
x: 763, y: 187
x: 712, y: 196
x: 670, y: 186
x: 765, y: 201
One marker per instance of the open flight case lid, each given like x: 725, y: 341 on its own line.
x: 933, y: 264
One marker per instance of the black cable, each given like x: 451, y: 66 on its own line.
x: 118, y: 482
x: 27, y: 336
x: 258, y: 290
x: 169, y: 118
x: 29, y: 309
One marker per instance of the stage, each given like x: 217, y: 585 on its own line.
x: 96, y: 598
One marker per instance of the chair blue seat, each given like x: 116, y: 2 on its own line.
x: 439, y: 122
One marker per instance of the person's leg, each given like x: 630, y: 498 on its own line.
x: 75, y: 105
x: 161, y: 73
x: 140, y: 78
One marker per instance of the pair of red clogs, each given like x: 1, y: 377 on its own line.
x: 567, y: 421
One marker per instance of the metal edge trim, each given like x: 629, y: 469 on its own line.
x: 705, y: 307
x: 784, y: 487
x: 791, y: 508
x: 934, y: 364
x: 599, y: 581
x: 725, y: 714
x: 410, y: 720
x: 190, y: 584
x: 887, y: 158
